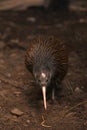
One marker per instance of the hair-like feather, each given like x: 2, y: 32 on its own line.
x: 48, y: 51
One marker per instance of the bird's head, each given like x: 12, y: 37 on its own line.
x: 43, y: 78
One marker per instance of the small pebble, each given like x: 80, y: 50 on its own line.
x: 31, y: 19
x: 85, y: 123
x: 13, y: 55
x: 82, y: 87
x: 28, y: 121
x: 14, y: 118
x: 78, y: 90
x: 9, y: 75
x: 17, y: 93
x: 69, y: 74
x: 16, y: 112
x: 83, y: 20
x: 14, y: 40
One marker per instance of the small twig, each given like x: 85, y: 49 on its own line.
x: 74, y: 108
x: 42, y: 123
x: 68, y: 83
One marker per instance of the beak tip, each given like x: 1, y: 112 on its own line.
x: 45, y: 108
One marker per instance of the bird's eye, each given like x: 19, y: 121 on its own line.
x: 39, y: 80
x: 46, y: 80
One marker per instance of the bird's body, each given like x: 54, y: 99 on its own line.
x: 47, y: 60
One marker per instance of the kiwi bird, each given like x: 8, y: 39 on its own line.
x: 47, y: 60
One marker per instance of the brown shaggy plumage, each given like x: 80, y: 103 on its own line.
x: 48, y: 53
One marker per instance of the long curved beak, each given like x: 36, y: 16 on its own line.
x: 44, y: 96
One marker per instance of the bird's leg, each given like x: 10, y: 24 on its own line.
x: 53, y: 94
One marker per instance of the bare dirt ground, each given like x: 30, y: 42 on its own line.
x: 21, y: 107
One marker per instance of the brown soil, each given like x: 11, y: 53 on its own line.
x: 17, y: 89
